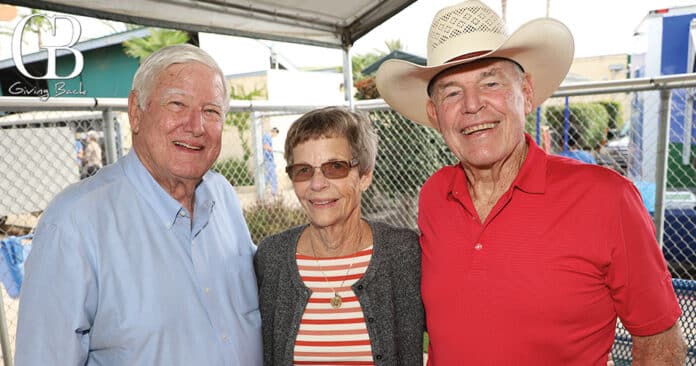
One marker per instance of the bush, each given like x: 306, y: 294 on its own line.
x: 588, y: 124
x: 366, y: 89
x: 266, y: 218
x: 615, y: 117
x: 235, y: 171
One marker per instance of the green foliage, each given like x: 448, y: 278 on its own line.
x: 395, y: 45
x: 140, y: 48
x: 266, y: 218
x: 408, y: 155
x: 615, y: 115
x: 588, y: 123
x: 362, y: 61
x: 235, y: 171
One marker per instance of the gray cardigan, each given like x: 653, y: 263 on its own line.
x: 389, y: 294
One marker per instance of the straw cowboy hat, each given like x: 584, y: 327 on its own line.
x: 471, y: 31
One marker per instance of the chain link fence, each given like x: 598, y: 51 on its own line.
x: 620, y: 130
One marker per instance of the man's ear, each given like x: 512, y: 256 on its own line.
x: 528, y: 91
x: 134, y: 112
x: 432, y: 114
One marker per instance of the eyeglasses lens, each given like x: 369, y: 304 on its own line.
x: 330, y: 170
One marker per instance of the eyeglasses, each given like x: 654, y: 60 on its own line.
x: 335, y: 169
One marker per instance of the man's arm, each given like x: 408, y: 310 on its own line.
x: 667, y: 348
x: 57, y: 293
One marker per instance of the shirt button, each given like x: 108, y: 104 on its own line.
x: 182, y: 213
x: 360, y: 287
x: 207, y: 289
x: 370, y: 320
x: 478, y: 246
x: 379, y: 357
x: 225, y: 338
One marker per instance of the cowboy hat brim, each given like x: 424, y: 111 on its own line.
x: 543, y: 47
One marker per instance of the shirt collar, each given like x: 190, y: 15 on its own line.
x: 531, y: 177
x: 165, y: 206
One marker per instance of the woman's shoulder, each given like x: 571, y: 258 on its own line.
x: 395, y: 237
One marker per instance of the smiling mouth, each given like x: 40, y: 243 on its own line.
x: 321, y: 203
x: 185, y: 145
x: 478, y: 128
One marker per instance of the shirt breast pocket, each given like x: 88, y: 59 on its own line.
x: 243, y: 288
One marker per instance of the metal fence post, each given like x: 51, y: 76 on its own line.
x: 661, y: 163
x: 4, y: 336
x: 259, y: 166
x: 109, y: 139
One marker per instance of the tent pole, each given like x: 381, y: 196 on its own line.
x: 348, y: 76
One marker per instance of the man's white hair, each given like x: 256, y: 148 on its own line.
x: 157, y: 62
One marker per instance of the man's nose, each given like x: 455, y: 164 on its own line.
x: 473, y: 102
x: 195, y: 123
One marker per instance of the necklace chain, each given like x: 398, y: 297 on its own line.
x: 336, y: 301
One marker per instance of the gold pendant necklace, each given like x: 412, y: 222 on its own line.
x: 336, y: 301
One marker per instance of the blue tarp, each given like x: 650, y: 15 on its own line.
x: 12, y: 263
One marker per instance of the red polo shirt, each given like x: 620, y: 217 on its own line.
x: 567, y: 249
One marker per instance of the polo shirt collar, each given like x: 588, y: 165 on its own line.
x: 165, y: 206
x: 532, y: 175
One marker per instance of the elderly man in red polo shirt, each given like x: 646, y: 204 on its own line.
x: 528, y: 258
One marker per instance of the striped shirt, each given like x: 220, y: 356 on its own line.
x: 330, y: 336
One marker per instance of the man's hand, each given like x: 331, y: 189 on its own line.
x: 664, y: 349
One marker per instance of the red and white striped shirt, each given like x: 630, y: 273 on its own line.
x: 329, y: 336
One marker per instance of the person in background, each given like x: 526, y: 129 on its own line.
x: 269, y: 160
x: 79, y: 153
x: 527, y: 258
x: 92, y: 155
x: 340, y: 290
x: 149, y: 262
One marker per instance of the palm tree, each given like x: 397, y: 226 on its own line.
x: 159, y: 38
x: 394, y: 45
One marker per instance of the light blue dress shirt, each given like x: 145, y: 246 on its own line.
x: 119, y: 276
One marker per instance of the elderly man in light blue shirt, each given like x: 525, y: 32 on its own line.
x: 149, y: 262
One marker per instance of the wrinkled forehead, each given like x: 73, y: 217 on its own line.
x: 478, y: 68
x: 185, y: 79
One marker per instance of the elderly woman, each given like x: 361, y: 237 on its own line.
x: 340, y: 290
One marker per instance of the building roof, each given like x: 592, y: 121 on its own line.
x: 91, y: 44
x: 398, y: 55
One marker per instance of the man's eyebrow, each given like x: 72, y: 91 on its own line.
x: 490, y: 72
x: 180, y: 92
x: 484, y: 74
x: 169, y: 92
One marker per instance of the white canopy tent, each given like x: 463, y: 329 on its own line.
x: 326, y: 23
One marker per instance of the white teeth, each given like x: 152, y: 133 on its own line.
x: 320, y: 202
x: 483, y: 126
x: 182, y: 144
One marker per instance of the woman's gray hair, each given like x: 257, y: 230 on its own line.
x: 336, y: 122
x: 153, y: 65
